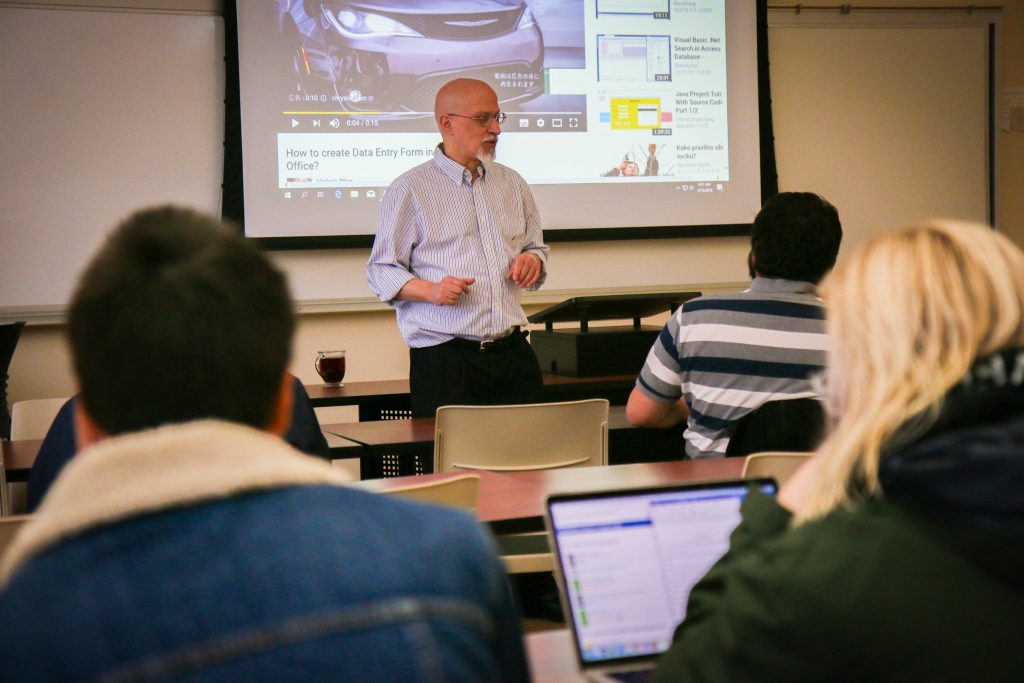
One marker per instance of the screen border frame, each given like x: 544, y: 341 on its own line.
x: 233, y: 198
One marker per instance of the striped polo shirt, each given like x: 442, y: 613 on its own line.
x: 436, y: 221
x: 728, y: 354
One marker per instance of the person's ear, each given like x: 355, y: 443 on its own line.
x: 281, y: 419
x: 87, y: 432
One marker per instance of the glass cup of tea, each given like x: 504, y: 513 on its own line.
x: 330, y: 365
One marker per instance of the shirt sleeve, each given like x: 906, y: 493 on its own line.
x: 659, y: 379
x: 390, y: 265
x: 534, y: 243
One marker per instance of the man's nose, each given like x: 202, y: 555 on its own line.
x: 494, y: 127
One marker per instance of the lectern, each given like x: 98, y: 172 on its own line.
x: 586, y: 351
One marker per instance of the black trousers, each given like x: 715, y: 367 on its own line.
x: 458, y: 373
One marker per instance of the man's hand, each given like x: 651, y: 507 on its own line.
x: 447, y: 291
x: 525, y: 269
x: 443, y: 293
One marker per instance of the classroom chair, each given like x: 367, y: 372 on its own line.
x: 460, y: 492
x: 792, y: 425
x: 778, y: 465
x: 521, y: 437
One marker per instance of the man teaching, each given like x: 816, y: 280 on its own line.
x: 459, y: 238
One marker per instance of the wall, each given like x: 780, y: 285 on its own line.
x: 41, y: 366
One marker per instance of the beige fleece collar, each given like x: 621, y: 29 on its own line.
x: 157, y: 469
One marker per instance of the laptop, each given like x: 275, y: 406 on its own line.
x: 626, y: 560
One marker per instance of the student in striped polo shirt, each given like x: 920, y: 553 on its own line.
x: 721, y: 357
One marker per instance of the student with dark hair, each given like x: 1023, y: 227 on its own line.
x: 796, y: 236
x: 722, y: 357
x: 187, y: 540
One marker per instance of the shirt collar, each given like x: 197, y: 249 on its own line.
x: 455, y: 171
x: 778, y: 285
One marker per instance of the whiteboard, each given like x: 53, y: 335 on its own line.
x: 885, y: 118
x: 103, y: 113
x: 900, y: 133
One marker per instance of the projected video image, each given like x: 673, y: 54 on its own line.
x: 634, y: 58
x: 609, y: 104
x: 391, y: 56
x: 658, y: 9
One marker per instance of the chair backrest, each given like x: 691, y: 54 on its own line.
x: 460, y: 492
x: 778, y: 465
x: 529, y: 436
x: 32, y: 419
x: 9, y: 527
x: 9, y: 335
x: 794, y: 425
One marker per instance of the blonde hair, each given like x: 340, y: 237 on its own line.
x: 907, y: 316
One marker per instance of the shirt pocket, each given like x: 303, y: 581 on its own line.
x: 512, y: 228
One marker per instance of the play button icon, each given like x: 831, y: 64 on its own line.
x: 294, y: 123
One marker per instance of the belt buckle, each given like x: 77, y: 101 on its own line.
x: 488, y: 344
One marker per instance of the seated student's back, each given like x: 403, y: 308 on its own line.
x: 189, y: 541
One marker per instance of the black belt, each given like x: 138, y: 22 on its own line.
x: 489, y: 345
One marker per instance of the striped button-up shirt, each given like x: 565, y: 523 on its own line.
x: 436, y: 221
x: 729, y: 354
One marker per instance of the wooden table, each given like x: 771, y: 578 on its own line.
x: 388, y: 399
x: 406, y: 446
x: 18, y: 458
x: 513, y: 502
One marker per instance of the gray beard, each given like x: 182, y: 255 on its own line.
x: 483, y: 156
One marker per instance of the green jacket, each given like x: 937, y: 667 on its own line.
x: 874, y: 593
x: 923, y: 582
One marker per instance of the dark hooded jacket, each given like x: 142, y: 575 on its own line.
x: 921, y: 582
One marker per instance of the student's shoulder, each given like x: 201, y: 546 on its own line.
x: 756, y: 303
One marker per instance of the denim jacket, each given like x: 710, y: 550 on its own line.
x: 214, y: 552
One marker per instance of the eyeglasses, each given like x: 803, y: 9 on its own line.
x: 485, y: 119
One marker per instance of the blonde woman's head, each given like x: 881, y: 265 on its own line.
x: 908, y: 314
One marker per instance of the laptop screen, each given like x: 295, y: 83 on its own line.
x: 628, y: 560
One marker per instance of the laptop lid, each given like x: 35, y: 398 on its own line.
x: 627, y: 559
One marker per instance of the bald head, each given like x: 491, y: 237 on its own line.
x: 453, y: 96
x: 466, y: 111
